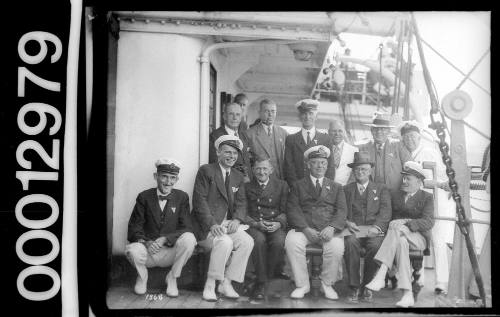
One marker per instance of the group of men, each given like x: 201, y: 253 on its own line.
x: 265, y: 193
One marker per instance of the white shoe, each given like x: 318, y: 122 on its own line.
x: 375, y: 285
x: 209, y: 293
x: 172, y: 290
x: 299, y: 292
x: 141, y: 286
x: 226, y: 288
x: 329, y: 291
x: 406, y: 301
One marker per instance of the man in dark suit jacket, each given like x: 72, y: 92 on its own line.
x: 369, y: 206
x: 266, y: 199
x: 389, y: 155
x: 413, y: 218
x: 267, y: 140
x: 296, y: 144
x: 232, y: 118
x: 219, y: 206
x: 316, y: 212
x: 159, y: 229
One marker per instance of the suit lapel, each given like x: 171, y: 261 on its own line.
x: 260, y: 133
x: 300, y: 141
x: 219, y: 181
x: 387, y: 160
x: 324, y: 189
x: 153, y: 199
x: 370, y: 195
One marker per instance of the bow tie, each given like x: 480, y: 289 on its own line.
x: 162, y: 197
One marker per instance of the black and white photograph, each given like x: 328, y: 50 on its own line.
x: 293, y: 159
x: 246, y: 162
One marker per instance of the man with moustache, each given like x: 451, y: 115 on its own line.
x: 219, y: 206
x: 388, y: 154
x: 316, y: 214
x: 267, y: 140
x: 342, y: 152
x: 232, y: 117
x: 266, y: 200
x: 413, y: 218
x: 159, y: 229
x: 296, y: 144
x: 369, y: 206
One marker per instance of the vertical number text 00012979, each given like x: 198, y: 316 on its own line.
x: 38, y: 227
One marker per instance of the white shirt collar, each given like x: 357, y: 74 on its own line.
x: 158, y: 193
x: 266, y: 127
x: 364, y: 184
x: 312, y: 133
x: 313, y: 179
x: 230, y: 131
x: 265, y: 183
x: 223, y: 170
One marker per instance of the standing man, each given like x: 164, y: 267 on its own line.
x: 388, y: 154
x: 219, y: 206
x: 266, y: 140
x: 442, y: 231
x: 242, y: 100
x: 266, y: 199
x: 159, y: 229
x: 316, y: 212
x: 342, y: 152
x: 413, y: 218
x: 232, y: 118
x: 296, y: 144
x: 368, y: 208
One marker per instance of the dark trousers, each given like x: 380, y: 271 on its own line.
x: 352, y: 256
x: 268, y: 252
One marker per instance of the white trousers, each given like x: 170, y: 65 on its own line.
x: 231, y: 250
x: 177, y: 256
x: 295, y: 247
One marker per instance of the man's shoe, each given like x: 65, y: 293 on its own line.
x: 329, y: 291
x: 141, y: 286
x: 226, y: 289
x: 282, y: 276
x: 209, y: 293
x: 172, y: 290
x: 299, y: 292
x: 375, y: 285
x: 406, y: 301
x: 354, y: 296
x: 259, y: 291
x: 367, y: 296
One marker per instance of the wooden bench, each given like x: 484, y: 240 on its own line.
x: 315, y: 255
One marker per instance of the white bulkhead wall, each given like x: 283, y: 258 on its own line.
x: 157, y: 115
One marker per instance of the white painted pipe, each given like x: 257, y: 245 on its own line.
x: 204, y: 88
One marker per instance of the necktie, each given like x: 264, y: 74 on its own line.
x: 236, y: 134
x: 318, y: 187
x: 361, y: 189
x: 308, y: 138
x: 336, y: 156
x: 162, y: 197
x: 269, y: 131
x: 407, y: 197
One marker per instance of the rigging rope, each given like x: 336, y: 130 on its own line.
x: 462, y: 222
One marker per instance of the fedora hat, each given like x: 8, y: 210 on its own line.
x: 381, y: 120
x: 361, y: 158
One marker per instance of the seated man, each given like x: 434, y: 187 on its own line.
x: 413, y: 218
x: 316, y: 212
x: 219, y: 205
x: 369, y: 206
x: 159, y: 229
x: 266, y: 199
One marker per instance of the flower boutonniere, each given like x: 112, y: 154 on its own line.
x: 235, y: 189
x: 390, y: 154
x: 375, y: 193
x: 315, y: 141
x: 173, y: 209
x: 327, y: 187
